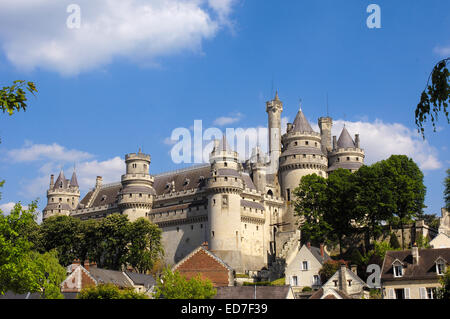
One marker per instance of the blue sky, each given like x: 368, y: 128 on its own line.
x: 134, y: 72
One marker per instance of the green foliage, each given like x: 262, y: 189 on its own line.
x: 356, y: 257
x: 49, y: 274
x: 375, y: 294
x: 257, y: 283
x: 63, y: 234
x: 329, y: 268
x: 310, y: 204
x: 393, y: 241
x: 13, y: 98
x: 435, y: 97
x: 145, y: 245
x: 109, y: 291
x: 17, y: 269
x: 172, y: 285
x: 306, y: 289
x: 443, y: 292
x: 422, y: 241
x: 279, y: 282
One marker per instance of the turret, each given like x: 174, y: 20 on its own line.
x: 224, y: 187
x: 325, y: 125
x: 346, y: 153
x: 258, y: 169
x: 137, y: 193
x: 274, y: 109
x: 62, y: 196
x: 302, y: 155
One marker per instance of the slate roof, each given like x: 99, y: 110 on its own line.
x: 248, y: 292
x: 107, y: 195
x: 425, y: 269
x: 316, y: 253
x: 115, y: 277
x: 73, y: 180
x: 61, y: 179
x: 308, y: 150
x: 301, y: 124
x: 184, y: 180
x: 141, y: 279
x: 345, y: 140
x: 251, y: 204
x: 346, y: 165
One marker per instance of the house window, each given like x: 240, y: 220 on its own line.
x: 316, y: 280
x: 288, y: 194
x: 440, y: 267
x: 294, y: 281
x: 349, y: 282
x: 431, y: 293
x: 399, y: 293
x: 398, y: 271
x: 305, y: 265
x: 335, y: 283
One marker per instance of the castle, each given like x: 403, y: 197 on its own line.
x: 242, y: 209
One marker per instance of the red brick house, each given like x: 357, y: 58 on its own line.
x: 209, y: 266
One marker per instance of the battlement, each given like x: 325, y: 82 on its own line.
x: 301, y: 135
x: 137, y: 156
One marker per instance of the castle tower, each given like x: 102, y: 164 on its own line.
x: 325, y: 125
x: 63, y: 196
x: 302, y: 155
x: 224, y: 187
x: 136, y: 196
x: 346, y: 153
x: 258, y: 168
x: 274, y: 109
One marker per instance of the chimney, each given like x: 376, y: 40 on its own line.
x: 334, y: 143
x: 357, y: 140
x: 52, y: 181
x: 205, y: 245
x: 343, y: 277
x: 322, y: 251
x: 98, y: 182
x: 75, y: 264
x: 86, y: 265
x: 354, y: 269
x: 415, y: 254
x: 308, y: 244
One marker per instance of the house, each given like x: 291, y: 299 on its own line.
x: 302, y: 270
x: 440, y: 241
x: 90, y: 275
x: 413, y: 273
x: 208, y: 265
x: 255, y: 292
x: 344, y: 284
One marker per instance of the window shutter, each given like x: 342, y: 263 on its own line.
x: 407, y: 296
x: 423, y: 293
x: 391, y: 294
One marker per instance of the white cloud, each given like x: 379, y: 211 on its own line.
x: 53, y: 152
x: 381, y: 140
x: 111, y: 170
x: 7, y: 207
x: 442, y: 51
x: 227, y: 120
x: 35, y: 35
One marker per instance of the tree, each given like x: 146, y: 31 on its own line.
x: 17, y: 269
x: 113, y: 232
x: 145, y: 246
x: 340, y: 211
x: 63, y: 234
x: 435, y: 96
x: 109, y: 291
x: 374, y: 201
x: 404, y: 178
x: 393, y: 241
x: 329, y: 268
x: 13, y: 98
x: 310, y: 205
x: 444, y: 291
x: 172, y: 285
x: 49, y: 274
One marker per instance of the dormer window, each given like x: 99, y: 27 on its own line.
x: 398, y: 270
x: 440, y: 267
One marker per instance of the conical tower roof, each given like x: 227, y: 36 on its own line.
x: 73, y: 180
x: 61, y: 180
x: 301, y: 124
x: 345, y: 140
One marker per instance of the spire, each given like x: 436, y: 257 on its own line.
x: 301, y: 124
x: 73, y: 180
x: 61, y: 180
x: 223, y: 144
x: 276, y: 96
x: 345, y: 140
